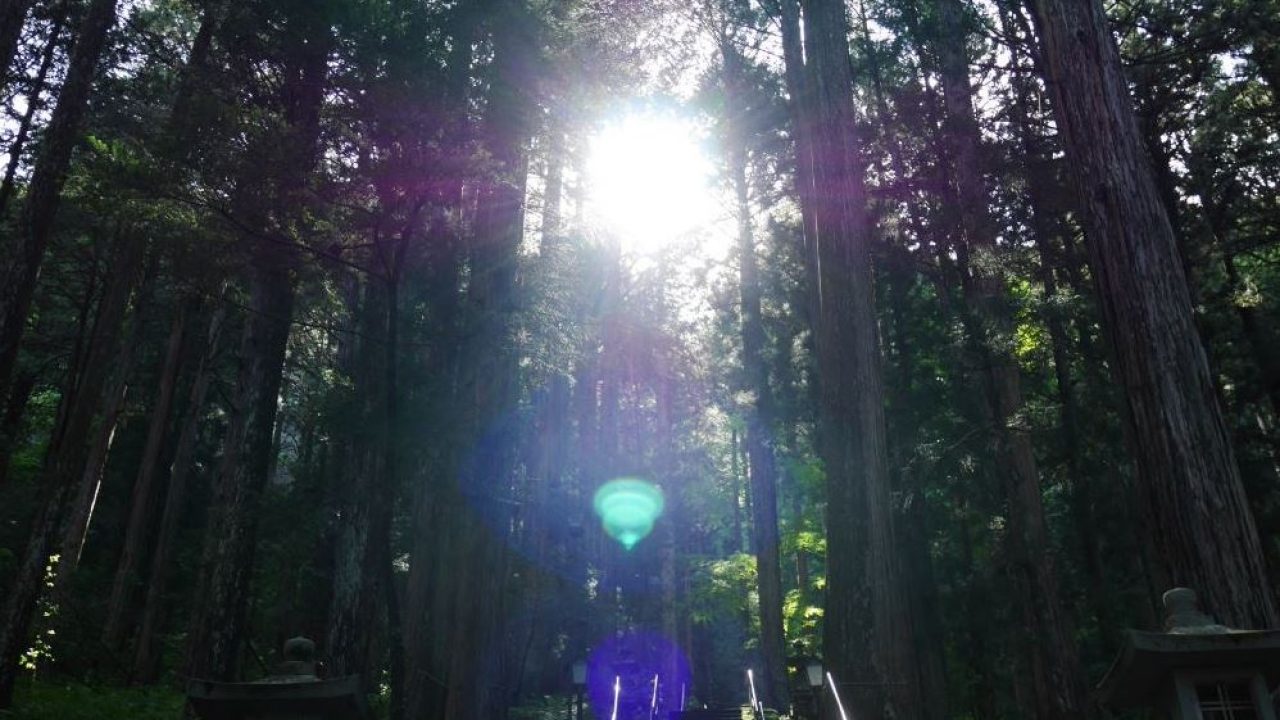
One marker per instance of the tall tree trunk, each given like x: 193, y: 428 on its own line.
x: 1081, y: 489
x: 543, y: 612
x: 914, y: 529
x: 218, y: 624
x: 428, y: 610
x: 435, y: 507
x: 80, y: 511
x: 800, y: 112
x: 867, y: 635
x: 146, y: 656
x: 490, y: 381
x: 1047, y: 636
x: 363, y: 541
x: 18, y: 277
x: 64, y: 465
x: 1179, y: 438
x: 762, y: 464
x: 145, y: 494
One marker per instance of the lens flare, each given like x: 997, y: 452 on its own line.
x: 628, y: 508
x: 621, y: 672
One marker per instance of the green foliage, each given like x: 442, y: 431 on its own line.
x: 803, y: 618
x: 72, y: 701
x: 724, y: 588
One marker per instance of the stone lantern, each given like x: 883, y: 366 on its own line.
x: 807, y: 686
x: 1196, y: 669
x: 292, y: 692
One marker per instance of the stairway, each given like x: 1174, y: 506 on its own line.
x: 731, y: 713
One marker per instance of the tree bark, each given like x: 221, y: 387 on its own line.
x: 1199, y: 518
x: 218, y: 623
x: 761, y: 461
x: 429, y: 595
x: 146, y: 656
x: 80, y: 512
x: 800, y: 112
x: 18, y: 277
x: 867, y: 635
x: 145, y: 494
x: 1082, y: 482
x: 490, y: 373
x: 362, y: 543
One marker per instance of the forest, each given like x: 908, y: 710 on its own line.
x: 509, y: 349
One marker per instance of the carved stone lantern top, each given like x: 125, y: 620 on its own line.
x: 1183, y: 615
x: 299, y: 663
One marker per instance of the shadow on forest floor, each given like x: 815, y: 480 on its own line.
x: 72, y: 701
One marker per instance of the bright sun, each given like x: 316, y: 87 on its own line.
x: 649, y: 180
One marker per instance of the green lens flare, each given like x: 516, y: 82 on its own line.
x: 628, y: 508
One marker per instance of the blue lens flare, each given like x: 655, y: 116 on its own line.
x: 628, y: 507
x: 649, y: 671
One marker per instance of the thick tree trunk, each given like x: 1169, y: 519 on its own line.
x: 143, y: 499
x: 142, y: 513
x: 867, y: 635
x: 1199, y: 518
x: 218, y: 623
x: 64, y: 465
x: 490, y: 383
x: 543, y: 611
x: 435, y: 506
x: 18, y: 278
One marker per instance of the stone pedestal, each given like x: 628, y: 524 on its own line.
x: 292, y: 692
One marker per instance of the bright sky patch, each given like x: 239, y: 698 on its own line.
x: 649, y: 181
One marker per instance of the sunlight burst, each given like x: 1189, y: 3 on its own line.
x: 649, y: 181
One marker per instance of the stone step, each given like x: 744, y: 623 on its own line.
x: 733, y: 713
